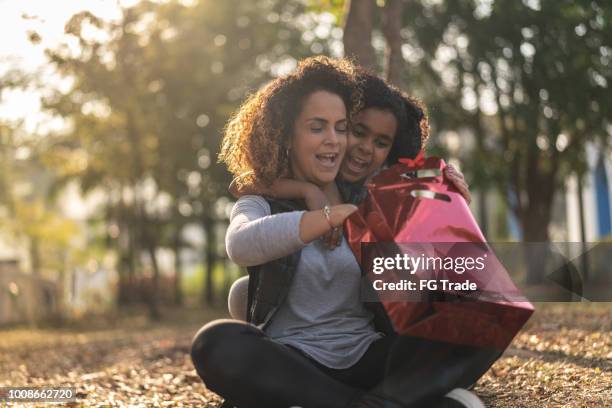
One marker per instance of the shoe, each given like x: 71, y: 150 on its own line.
x: 461, y: 398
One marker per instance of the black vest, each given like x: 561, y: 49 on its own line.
x: 269, y: 283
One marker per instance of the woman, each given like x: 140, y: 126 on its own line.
x: 389, y: 125
x: 315, y: 344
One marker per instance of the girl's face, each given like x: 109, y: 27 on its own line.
x: 369, y: 143
x: 319, y: 139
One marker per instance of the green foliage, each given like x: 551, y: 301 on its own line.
x: 29, y: 221
x: 223, y: 276
x: 336, y: 7
x: 530, y: 79
x: 150, y: 95
x: 150, y: 100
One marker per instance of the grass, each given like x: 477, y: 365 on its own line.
x: 224, y: 275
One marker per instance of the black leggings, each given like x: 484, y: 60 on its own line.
x: 239, y: 362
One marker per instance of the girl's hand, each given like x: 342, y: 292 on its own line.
x: 314, y: 197
x: 456, y: 177
x: 332, y: 239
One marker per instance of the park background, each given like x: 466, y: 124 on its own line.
x: 113, y: 207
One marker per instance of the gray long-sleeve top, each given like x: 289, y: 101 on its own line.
x: 323, y: 315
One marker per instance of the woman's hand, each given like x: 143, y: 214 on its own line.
x: 316, y: 199
x: 456, y: 177
x: 339, y: 213
x: 314, y: 224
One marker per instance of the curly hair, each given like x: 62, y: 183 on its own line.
x: 412, y: 122
x: 256, y: 138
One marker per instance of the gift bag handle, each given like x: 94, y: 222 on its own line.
x: 432, y: 195
x: 422, y: 173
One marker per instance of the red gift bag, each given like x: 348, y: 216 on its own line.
x: 412, y: 210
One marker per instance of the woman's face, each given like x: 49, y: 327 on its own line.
x: 319, y: 139
x: 369, y: 143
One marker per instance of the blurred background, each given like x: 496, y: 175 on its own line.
x: 111, y: 115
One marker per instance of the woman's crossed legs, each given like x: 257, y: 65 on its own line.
x: 239, y: 362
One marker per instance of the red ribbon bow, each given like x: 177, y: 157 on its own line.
x: 418, y: 161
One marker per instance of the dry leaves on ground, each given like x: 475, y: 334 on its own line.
x: 562, y: 358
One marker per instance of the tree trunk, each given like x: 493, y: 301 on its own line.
x: 358, y: 33
x: 482, y: 212
x: 116, y: 244
x: 392, y: 25
x: 178, y: 267
x: 208, y: 296
x: 152, y: 295
x: 584, y: 257
x: 128, y: 250
x: 35, y: 256
x: 535, y: 236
